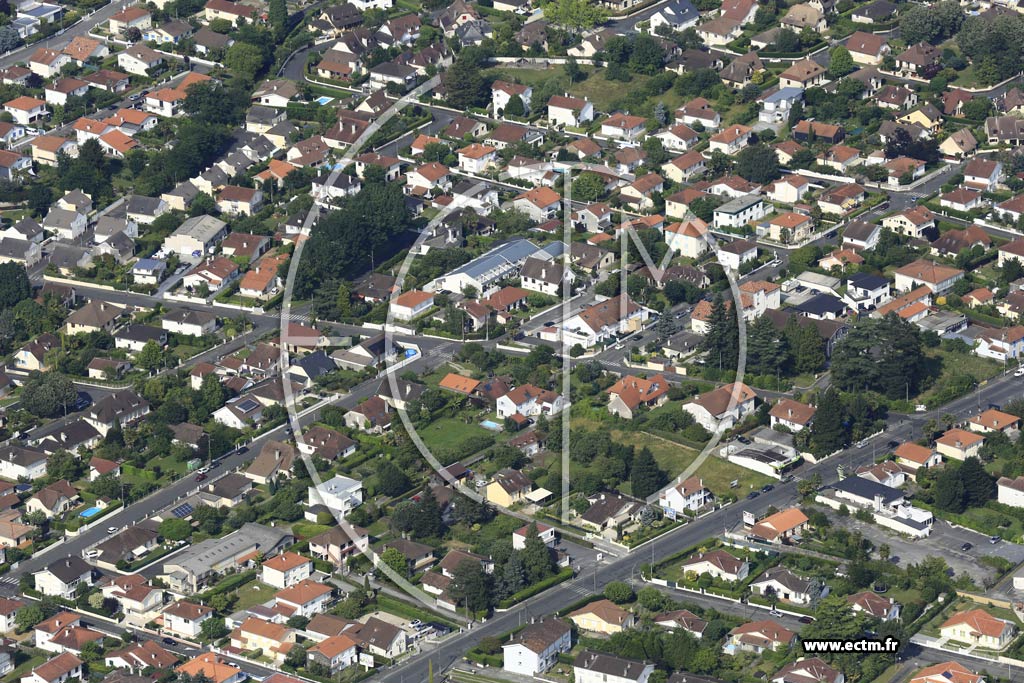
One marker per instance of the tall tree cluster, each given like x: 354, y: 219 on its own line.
x: 884, y: 355
x: 364, y: 231
x: 721, y: 344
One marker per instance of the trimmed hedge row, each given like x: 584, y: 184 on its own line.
x: 536, y: 588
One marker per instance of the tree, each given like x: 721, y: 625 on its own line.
x: 809, y: 350
x: 9, y: 38
x: 150, y: 357
x: 588, y: 187
x: 213, y: 629
x: 646, y: 477
x: 979, y: 485
x: 296, y: 657
x: 618, y: 592
x: 245, y: 60
x: 174, y: 529
x: 758, y: 163
x: 572, y: 70
x: 931, y: 24
x: 47, y: 394
x: 767, y: 348
x: 212, y: 393
x: 575, y: 15
x: 656, y: 154
x: 721, y: 343
x: 515, y: 107
x: 14, y: 284
x: 391, y: 479
x: 647, y: 56
x: 536, y: 556
x: 464, y: 84
x: 828, y: 431
x: 28, y: 616
x: 840, y: 62
x: 133, y: 34
x: 277, y: 13
x: 883, y: 355
x: 394, y: 559
x: 429, y: 522
x: 471, y: 586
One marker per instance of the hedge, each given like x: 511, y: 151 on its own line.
x: 536, y: 588
x: 229, y: 584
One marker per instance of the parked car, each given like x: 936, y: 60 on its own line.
x: 766, y: 488
x: 753, y: 494
x: 966, y: 546
x: 200, y: 477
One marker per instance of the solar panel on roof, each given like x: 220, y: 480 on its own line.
x: 247, y: 405
x: 182, y: 511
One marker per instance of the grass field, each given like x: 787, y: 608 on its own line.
x: 253, y: 593
x: 957, y: 364
x: 305, y: 530
x: 449, y: 432
x: 674, y: 458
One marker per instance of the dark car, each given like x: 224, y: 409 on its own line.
x: 806, y: 620
x: 743, y: 440
x: 82, y: 401
x: 200, y: 477
x: 966, y: 546
x: 215, y: 464
x: 169, y: 641
x: 766, y: 488
x: 753, y: 494
x: 892, y: 444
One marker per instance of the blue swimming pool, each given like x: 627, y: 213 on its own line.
x: 90, y: 512
x: 324, y: 99
x: 491, y: 425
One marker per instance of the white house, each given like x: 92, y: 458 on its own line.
x: 339, y: 494
x: 597, y: 667
x: 722, y: 407
x: 286, y: 569
x: 535, y: 649
x: 569, y: 111
x: 688, y: 496
x: 411, y: 304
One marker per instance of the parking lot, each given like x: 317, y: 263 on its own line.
x: 946, y: 542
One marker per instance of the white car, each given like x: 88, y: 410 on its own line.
x: 1019, y: 372
x: 111, y: 529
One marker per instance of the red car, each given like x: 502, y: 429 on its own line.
x: 200, y: 477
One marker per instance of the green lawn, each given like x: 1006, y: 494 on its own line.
x: 449, y: 432
x: 596, y: 88
x: 305, y: 530
x: 253, y: 593
x: 674, y: 458
x: 957, y: 364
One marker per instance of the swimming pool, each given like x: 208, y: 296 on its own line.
x: 324, y: 99
x: 491, y: 425
x: 90, y: 512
